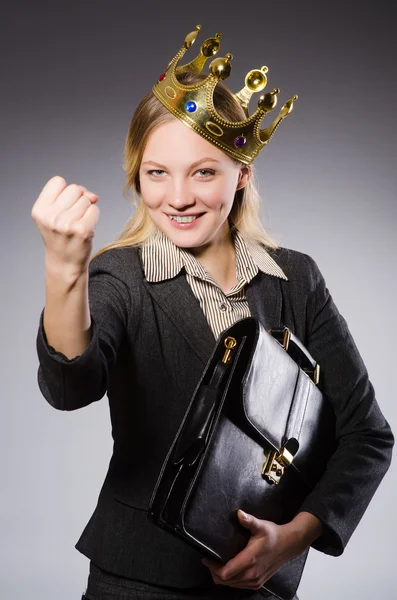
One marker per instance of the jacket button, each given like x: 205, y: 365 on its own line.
x: 223, y: 306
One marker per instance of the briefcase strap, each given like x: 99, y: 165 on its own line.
x: 297, y: 352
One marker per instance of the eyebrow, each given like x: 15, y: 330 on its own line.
x: 195, y: 164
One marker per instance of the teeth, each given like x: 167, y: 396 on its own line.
x: 182, y: 219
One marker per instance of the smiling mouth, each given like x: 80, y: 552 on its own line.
x: 183, y: 219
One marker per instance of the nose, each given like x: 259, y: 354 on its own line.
x: 179, y: 195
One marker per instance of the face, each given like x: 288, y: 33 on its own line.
x: 188, y: 185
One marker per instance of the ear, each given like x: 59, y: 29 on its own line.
x: 244, y: 176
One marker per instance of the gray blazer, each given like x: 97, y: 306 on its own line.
x: 150, y: 343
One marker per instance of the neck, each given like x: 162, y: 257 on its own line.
x: 219, y: 258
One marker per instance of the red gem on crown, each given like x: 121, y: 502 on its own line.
x: 162, y: 76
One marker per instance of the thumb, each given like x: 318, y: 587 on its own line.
x: 93, y: 197
x: 248, y: 521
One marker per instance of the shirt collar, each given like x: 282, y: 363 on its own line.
x: 162, y: 259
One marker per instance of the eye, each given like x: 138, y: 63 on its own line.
x: 206, y: 172
x: 155, y: 172
x: 203, y: 173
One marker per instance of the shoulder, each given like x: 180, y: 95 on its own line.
x: 123, y: 262
x: 117, y: 270
x: 300, y: 268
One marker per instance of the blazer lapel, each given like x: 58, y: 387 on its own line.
x: 264, y: 298
x: 177, y: 300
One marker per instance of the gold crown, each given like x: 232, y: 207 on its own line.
x: 194, y: 105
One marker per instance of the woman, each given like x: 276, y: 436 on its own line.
x: 139, y: 321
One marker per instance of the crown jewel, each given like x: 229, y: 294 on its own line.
x: 193, y: 104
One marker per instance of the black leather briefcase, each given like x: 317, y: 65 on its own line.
x: 257, y: 435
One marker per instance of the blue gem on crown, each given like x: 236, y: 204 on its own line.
x: 191, y: 106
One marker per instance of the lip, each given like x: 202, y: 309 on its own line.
x: 185, y: 225
x: 184, y: 214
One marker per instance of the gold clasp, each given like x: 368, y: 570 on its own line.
x: 316, y: 374
x: 230, y: 343
x: 275, y: 464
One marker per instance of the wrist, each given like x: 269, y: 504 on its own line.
x: 69, y: 274
x: 302, y: 531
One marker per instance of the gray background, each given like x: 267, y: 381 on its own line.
x: 71, y: 76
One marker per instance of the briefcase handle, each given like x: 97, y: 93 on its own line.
x: 297, y: 352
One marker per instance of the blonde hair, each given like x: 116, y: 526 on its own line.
x: 149, y: 114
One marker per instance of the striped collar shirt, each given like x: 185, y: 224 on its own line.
x: 162, y: 260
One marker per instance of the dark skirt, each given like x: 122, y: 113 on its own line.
x: 103, y: 585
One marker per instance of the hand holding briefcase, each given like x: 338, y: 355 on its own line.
x: 257, y: 436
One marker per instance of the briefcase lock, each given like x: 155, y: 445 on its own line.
x: 230, y: 344
x: 276, y: 463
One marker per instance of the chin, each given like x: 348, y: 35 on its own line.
x: 186, y: 240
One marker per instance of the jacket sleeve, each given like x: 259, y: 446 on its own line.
x: 364, y: 437
x: 68, y: 384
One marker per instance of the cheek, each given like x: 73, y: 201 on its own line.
x: 152, y: 194
x: 215, y: 195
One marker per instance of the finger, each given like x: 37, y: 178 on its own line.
x: 84, y: 227
x: 246, y: 575
x: 241, y: 582
x: 221, y: 572
x: 51, y: 191
x: 89, y: 220
x: 93, y: 197
x: 69, y: 196
x: 67, y: 217
x: 236, y: 565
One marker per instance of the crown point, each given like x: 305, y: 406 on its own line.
x: 229, y: 56
x: 264, y: 69
x: 221, y: 67
x: 288, y: 106
x: 210, y: 47
x: 191, y: 37
x: 268, y: 101
x: 255, y: 80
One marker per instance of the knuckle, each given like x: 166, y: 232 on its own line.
x: 67, y: 228
x: 84, y: 198
x: 58, y: 179
x: 75, y: 188
x: 79, y: 230
x: 82, y: 231
x: 53, y: 221
x: 57, y: 224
